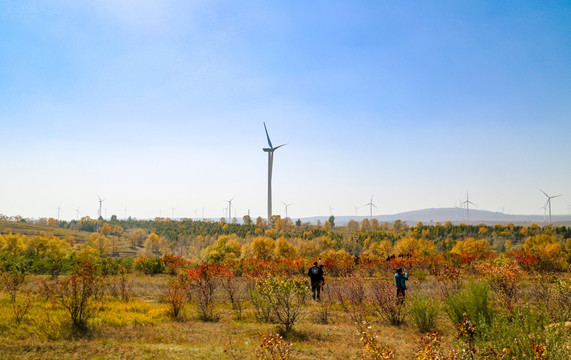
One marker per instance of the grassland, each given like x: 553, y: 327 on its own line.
x: 516, y: 303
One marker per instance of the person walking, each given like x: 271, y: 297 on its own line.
x: 315, y: 274
x: 400, y: 281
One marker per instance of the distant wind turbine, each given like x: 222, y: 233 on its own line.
x: 58, y: 209
x: 270, y: 152
x: 77, y: 214
x: 370, y: 204
x: 100, y: 203
x: 286, y: 206
x: 544, y: 207
x: 467, y: 203
x: 230, y: 209
x: 549, y: 202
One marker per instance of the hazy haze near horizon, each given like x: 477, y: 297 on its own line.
x: 159, y: 105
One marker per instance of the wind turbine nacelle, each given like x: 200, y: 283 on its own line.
x: 267, y: 149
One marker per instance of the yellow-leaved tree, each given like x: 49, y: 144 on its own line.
x: 409, y: 244
x: 284, y: 249
x: 378, y: 250
x: 226, y: 248
x: 472, y: 247
x: 542, y: 242
x: 263, y: 247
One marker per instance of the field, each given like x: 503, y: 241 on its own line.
x: 77, y: 304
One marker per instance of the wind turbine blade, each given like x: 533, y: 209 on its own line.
x: 268, y: 136
x: 556, y: 196
x: 543, y: 192
x: 374, y: 205
x: 277, y: 147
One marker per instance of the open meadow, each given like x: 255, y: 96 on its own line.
x: 474, y: 292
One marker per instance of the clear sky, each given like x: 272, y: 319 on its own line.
x: 155, y: 105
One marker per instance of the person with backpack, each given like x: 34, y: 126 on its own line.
x: 315, y: 274
x: 400, y: 281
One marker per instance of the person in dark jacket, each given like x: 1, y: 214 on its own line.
x: 315, y: 274
x: 400, y: 281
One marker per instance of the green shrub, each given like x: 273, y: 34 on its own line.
x: 526, y: 333
x: 287, y: 297
x: 424, y: 312
x: 474, y: 301
x: 420, y: 274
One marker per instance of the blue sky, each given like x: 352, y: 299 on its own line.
x: 156, y: 105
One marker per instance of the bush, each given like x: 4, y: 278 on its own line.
x: 474, y: 301
x: 351, y: 296
x: 287, y: 296
x: 175, y: 294
x: 525, y: 333
x: 386, y: 303
x: 76, y: 292
x: 149, y: 265
x: 11, y: 279
x: 261, y: 303
x: 203, y: 283
x: 372, y: 349
x: 424, y: 312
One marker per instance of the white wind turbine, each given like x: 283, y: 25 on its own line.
x: 286, y: 206
x: 544, y: 207
x: 77, y: 214
x: 467, y: 203
x: 270, y: 152
x: 100, y: 203
x: 370, y: 204
x: 549, y: 202
x: 58, y: 209
x: 230, y: 209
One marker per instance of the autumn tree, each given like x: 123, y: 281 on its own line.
x: 101, y: 243
x: 136, y: 237
x: 378, y: 250
x: 152, y: 244
x: 224, y: 249
x: 409, y: 244
x: 105, y: 229
x: 263, y: 247
x: 284, y: 249
x: 543, y: 243
x: 471, y: 247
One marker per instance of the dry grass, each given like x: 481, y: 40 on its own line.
x: 143, y: 329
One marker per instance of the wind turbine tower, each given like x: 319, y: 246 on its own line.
x: 370, y: 204
x: 286, y: 206
x: 270, y: 152
x: 100, y: 203
x: 58, y: 209
x: 467, y: 203
x: 77, y: 214
x: 230, y: 209
x: 549, y: 202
